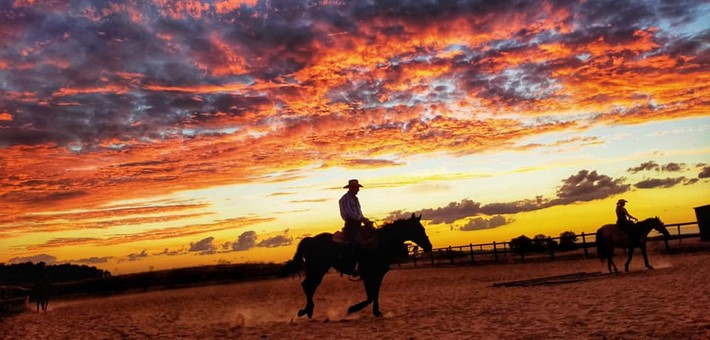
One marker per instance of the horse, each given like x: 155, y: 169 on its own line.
x: 41, y: 292
x: 610, y: 236
x: 321, y: 253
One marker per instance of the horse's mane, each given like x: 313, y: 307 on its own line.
x: 393, y: 224
x: 653, y: 219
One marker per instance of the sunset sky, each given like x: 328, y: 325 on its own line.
x: 153, y: 134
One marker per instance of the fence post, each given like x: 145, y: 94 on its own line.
x: 552, y: 248
x: 584, y: 244
x: 451, y: 255
x: 431, y: 254
x: 415, y: 257
x: 495, y: 251
x: 680, y: 239
x: 470, y: 246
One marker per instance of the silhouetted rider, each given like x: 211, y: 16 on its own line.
x: 351, y: 213
x: 624, y: 220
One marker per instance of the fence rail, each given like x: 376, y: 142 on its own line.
x: 500, y: 252
x: 13, y: 298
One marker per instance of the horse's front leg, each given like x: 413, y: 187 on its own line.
x: 610, y: 263
x: 628, y: 258
x: 645, y: 255
x: 374, y: 293
x: 362, y: 304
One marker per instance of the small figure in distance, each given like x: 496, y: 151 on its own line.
x: 351, y: 213
x: 626, y: 222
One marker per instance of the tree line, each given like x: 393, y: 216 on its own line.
x: 567, y: 241
x: 29, y: 273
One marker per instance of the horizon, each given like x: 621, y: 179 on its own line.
x: 172, y: 135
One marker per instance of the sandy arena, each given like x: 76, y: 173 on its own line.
x: 426, y: 303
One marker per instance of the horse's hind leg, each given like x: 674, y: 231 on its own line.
x: 310, y: 283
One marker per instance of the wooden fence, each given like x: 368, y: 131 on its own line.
x: 13, y: 298
x: 500, y: 252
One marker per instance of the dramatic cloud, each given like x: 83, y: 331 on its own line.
x: 479, y: 223
x: 47, y: 259
x: 155, y: 234
x: 582, y: 187
x: 276, y: 241
x: 204, y: 246
x: 369, y: 163
x: 169, y: 252
x: 317, y: 200
x: 659, y: 182
x: 448, y: 214
x: 146, y: 98
x: 245, y: 241
x: 705, y: 173
x: 691, y: 181
x: 91, y: 260
x: 136, y: 256
x: 588, y: 186
x: 673, y: 167
x: 650, y: 165
x: 103, y: 218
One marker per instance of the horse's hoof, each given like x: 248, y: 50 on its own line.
x: 351, y: 309
x: 301, y: 312
x: 649, y: 268
x: 377, y: 314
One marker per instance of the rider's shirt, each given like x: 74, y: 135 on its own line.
x: 350, y: 208
x: 621, y: 214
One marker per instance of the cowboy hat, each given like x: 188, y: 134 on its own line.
x: 352, y: 183
x: 621, y: 201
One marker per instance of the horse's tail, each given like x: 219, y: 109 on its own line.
x: 294, y: 265
x: 602, y: 246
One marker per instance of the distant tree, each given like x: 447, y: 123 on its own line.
x: 521, y: 244
x: 568, y: 240
x: 539, y: 242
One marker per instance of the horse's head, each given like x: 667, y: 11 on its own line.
x: 656, y: 224
x: 416, y: 232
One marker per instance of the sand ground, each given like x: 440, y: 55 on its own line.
x: 670, y: 302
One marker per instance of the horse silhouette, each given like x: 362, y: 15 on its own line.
x: 321, y: 253
x: 610, y: 236
x: 41, y: 292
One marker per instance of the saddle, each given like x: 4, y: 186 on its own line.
x: 368, y: 237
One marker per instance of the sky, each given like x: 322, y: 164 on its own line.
x: 155, y: 134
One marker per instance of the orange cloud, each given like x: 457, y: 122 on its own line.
x: 151, y: 235
x: 101, y: 89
